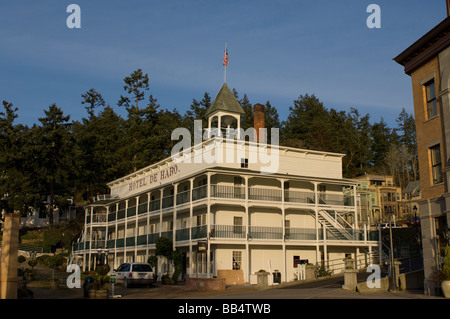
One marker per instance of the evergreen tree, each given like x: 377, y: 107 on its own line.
x: 197, y: 111
x: 359, y: 147
x: 136, y: 125
x: 16, y: 191
x: 271, y: 120
x: 93, y: 99
x: 381, y: 138
x: 307, y: 124
x: 247, y: 117
x: 53, y: 149
x: 136, y: 84
x: 98, y: 154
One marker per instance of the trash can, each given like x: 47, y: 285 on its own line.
x: 276, y: 277
x: 89, y: 284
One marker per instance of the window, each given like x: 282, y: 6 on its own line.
x: 124, y: 267
x: 237, y: 225
x: 237, y: 260
x: 430, y: 92
x: 244, y: 162
x: 436, y: 164
x: 201, y: 220
x: 296, y: 261
x: 238, y: 181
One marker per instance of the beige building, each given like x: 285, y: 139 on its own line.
x: 409, y: 203
x: 427, y: 61
x: 232, y: 204
x: 382, y: 197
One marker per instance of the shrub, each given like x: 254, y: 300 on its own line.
x: 178, y: 265
x: 446, y: 268
x: 322, y: 271
x: 32, y: 263
x: 54, y: 262
x: 102, y: 277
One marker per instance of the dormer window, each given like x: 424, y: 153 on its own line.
x: 244, y: 162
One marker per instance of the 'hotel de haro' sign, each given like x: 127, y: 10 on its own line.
x: 238, y: 215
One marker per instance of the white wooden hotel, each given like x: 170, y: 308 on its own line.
x: 226, y: 206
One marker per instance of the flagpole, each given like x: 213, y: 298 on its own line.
x: 225, y: 71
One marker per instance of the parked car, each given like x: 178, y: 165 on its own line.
x: 413, y: 221
x: 135, y: 273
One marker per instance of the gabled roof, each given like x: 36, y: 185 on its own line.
x: 412, y: 188
x: 225, y: 101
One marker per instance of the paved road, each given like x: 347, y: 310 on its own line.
x: 329, y: 288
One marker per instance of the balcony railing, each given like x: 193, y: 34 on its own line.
x: 142, y: 208
x: 130, y: 241
x: 97, y: 218
x: 131, y: 211
x: 182, y: 234
x: 300, y: 233
x: 199, y: 193
x: 141, y: 240
x: 152, y: 238
x: 229, y: 232
x: 183, y: 197
x: 199, y: 232
x: 167, y: 201
x: 120, y: 242
x: 154, y: 205
x: 167, y: 234
x: 227, y: 192
x: 120, y: 214
x: 224, y: 191
x: 299, y: 197
x: 262, y: 232
x: 111, y: 216
x: 336, y: 199
x: 265, y: 194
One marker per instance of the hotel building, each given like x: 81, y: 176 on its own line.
x: 231, y: 203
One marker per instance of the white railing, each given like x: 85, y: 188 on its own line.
x: 104, y: 197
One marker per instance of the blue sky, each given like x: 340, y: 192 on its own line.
x: 278, y: 50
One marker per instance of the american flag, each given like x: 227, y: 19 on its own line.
x: 225, y: 58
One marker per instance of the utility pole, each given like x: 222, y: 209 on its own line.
x: 393, y: 272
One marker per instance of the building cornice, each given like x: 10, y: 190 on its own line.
x: 426, y: 48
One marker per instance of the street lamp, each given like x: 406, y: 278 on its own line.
x: 393, y: 275
x: 415, y: 214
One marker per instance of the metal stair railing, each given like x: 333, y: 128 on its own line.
x: 27, y: 248
x: 326, y: 218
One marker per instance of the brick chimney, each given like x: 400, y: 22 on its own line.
x: 448, y: 7
x: 259, y: 111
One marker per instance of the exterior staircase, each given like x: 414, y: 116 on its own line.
x: 337, y: 226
